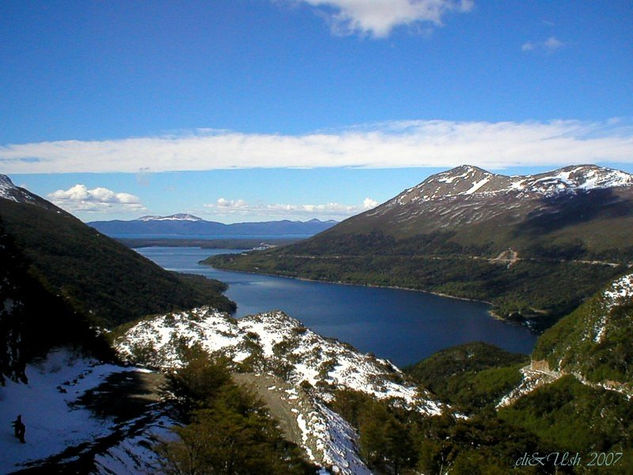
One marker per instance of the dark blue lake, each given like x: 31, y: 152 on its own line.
x: 404, y: 326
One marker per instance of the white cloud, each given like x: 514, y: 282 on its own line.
x: 368, y: 203
x: 379, y: 17
x: 80, y: 198
x: 422, y: 143
x: 235, y: 208
x: 550, y: 45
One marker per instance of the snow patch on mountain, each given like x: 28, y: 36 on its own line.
x: 535, y: 375
x: 339, y: 442
x: 7, y: 188
x: 477, y: 185
x: 619, y: 290
x: 9, y: 191
x: 173, y: 217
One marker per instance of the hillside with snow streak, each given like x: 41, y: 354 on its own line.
x: 592, y: 343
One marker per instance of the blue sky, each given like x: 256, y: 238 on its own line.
x: 260, y: 109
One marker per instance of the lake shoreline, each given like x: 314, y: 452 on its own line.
x: 491, y: 313
x: 375, y: 286
x: 403, y: 327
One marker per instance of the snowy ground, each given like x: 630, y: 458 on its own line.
x: 272, y: 338
x: 63, y: 431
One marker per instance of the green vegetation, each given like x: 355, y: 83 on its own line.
x: 574, y: 417
x: 33, y: 320
x: 566, y: 416
x: 470, y: 377
x: 394, y: 440
x: 227, y: 431
x: 570, y: 345
x: 97, y: 276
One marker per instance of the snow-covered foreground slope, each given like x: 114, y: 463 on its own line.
x: 308, y: 368
x: 270, y: 342
x: 60, y: 429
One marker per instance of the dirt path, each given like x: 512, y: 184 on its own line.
x: 281, y: 398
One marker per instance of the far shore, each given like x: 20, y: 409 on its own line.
x: 360, y: 284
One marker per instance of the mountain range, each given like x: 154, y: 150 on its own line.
x: 179, y: 225
x: 469, y: 409
x: 535, y: 246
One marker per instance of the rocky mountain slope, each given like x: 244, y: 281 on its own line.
x: 469, y: 196
x: 511, y: 240
x: 473, y: 207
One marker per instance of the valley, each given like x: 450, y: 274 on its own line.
x: 135, y: 390
x: 316, y: 237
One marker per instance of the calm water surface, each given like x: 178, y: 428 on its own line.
x: 401, y: 325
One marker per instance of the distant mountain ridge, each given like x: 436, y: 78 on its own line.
x: 182, y: 224
x: 515, y: 241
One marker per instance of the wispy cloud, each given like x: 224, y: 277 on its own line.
x: 234, y: 208
x: 550, y: 45
x: 434, y: 143
x: 379, y: 17
x: 80, y: 198
x: 231, y: 205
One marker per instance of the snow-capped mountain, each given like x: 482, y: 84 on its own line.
x: 173, y: 217
x: 468, y: 180
x: 10, y: 192
x: 7, y: 189
x: 467, y: 196
x: 273, y: 342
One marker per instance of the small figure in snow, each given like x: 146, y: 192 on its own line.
x: 19, y: 429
